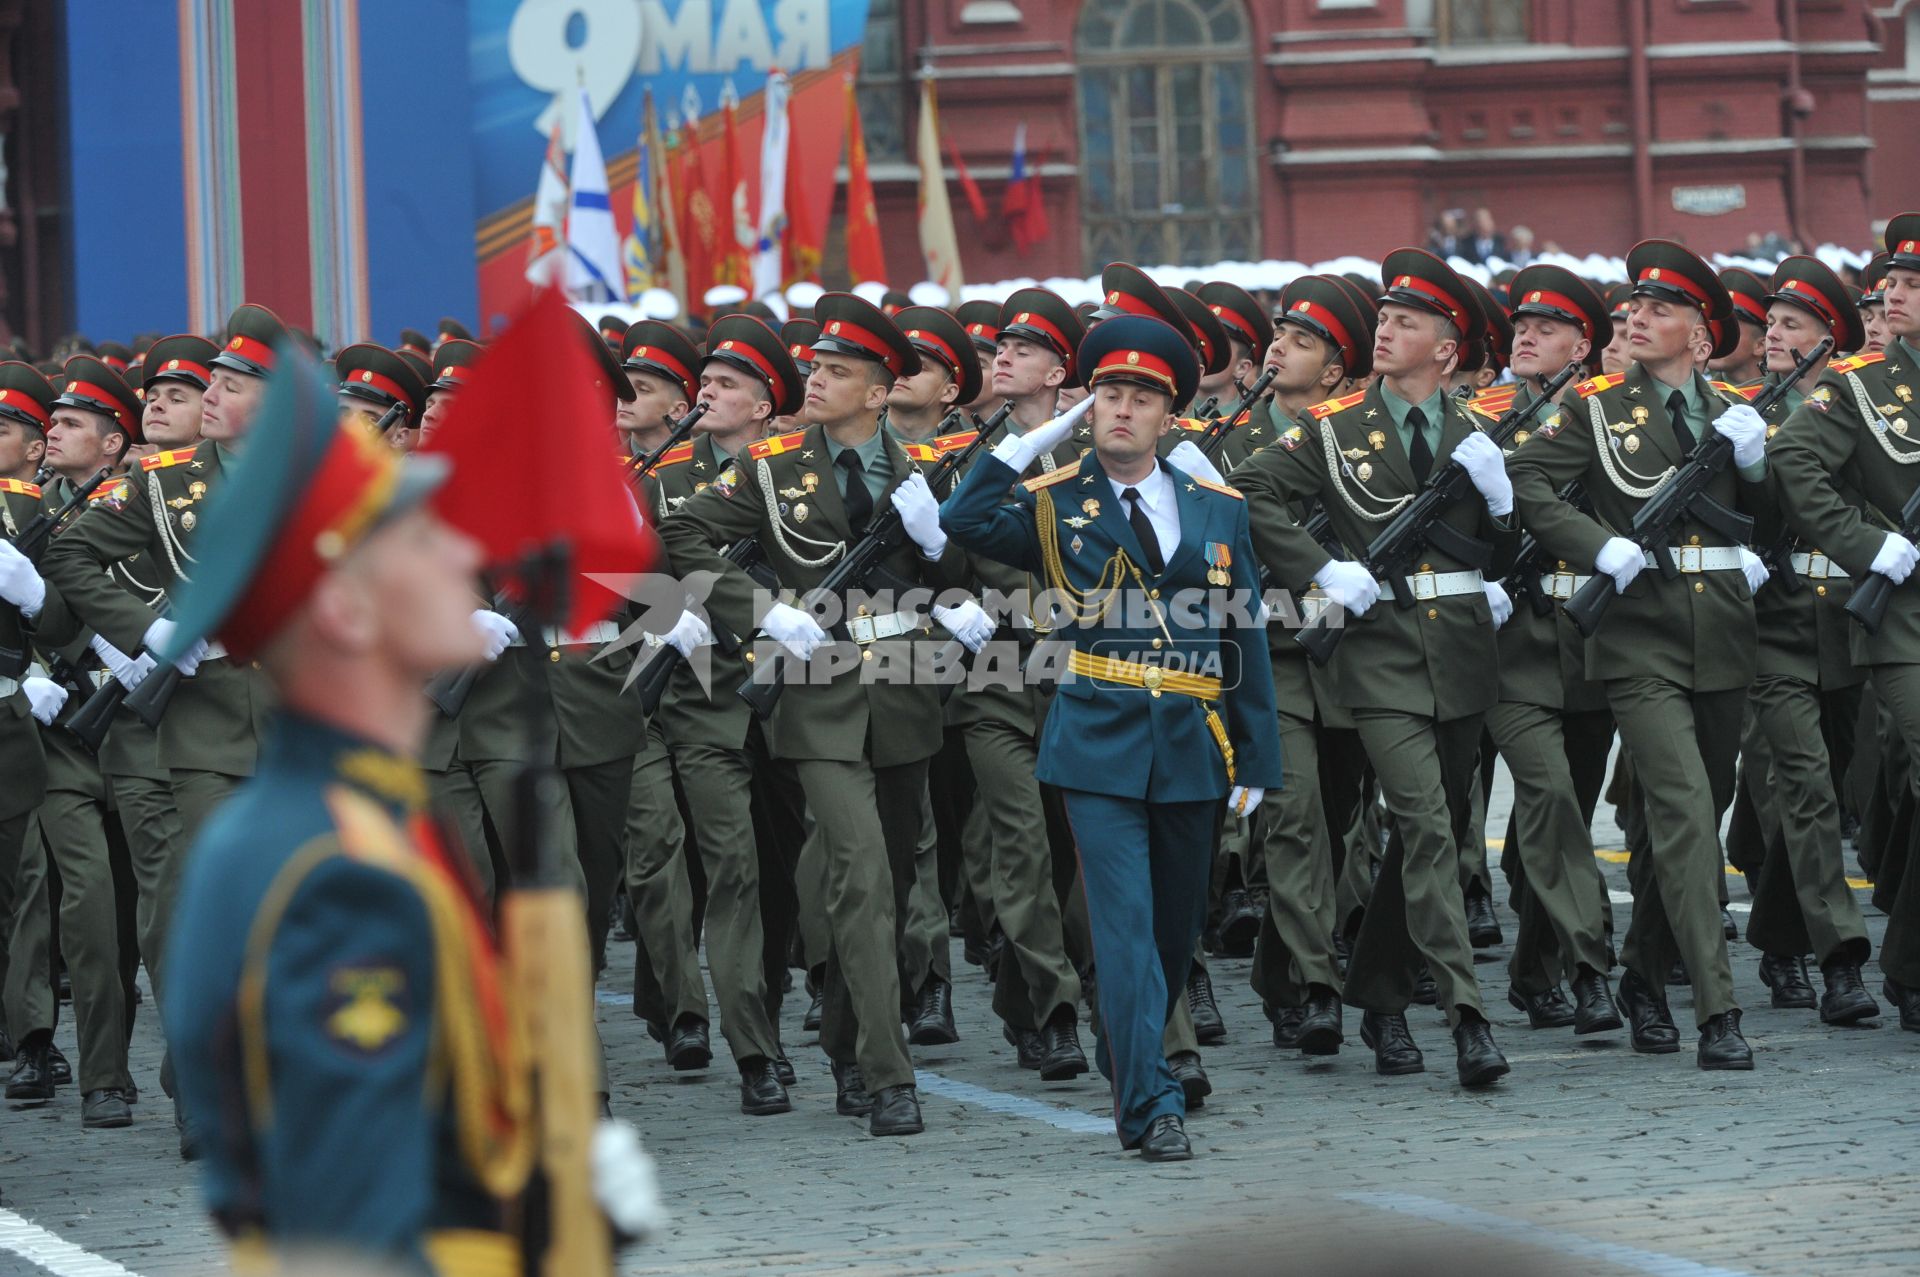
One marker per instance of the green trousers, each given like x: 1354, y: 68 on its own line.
x: 600, y: 795
x: 1683, y: 745
x: 1415, y: 913
x: 156, y: 847
x: 478, y: 797
x: 13, y: 837
x: 925, y: 953
x: 196, y: 795
x: 1537, y: 962
x: 1899, y: 690
x: 1295, y: 948
x: 658, y: 886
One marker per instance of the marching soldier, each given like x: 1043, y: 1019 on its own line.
x: 1853, y: 429
x: 659, y: 363
x: 375, y: 381
x: 1418, y: 680
x: 1133, y: 736
x: 1873, y: 305
x: 1740, y: 361
x: 1676, y: 654
x: 981, y: 319
x: 860, y: 742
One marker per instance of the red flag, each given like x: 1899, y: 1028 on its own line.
x: 968, y: 187
x: 866, y: 260
x: 737, y: 231
x: 571, y: 488
x: 800, y: 253
x: 699, y: 220
x: 1025, y: 211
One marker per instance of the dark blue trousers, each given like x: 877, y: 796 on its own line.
x: 1146, y: 867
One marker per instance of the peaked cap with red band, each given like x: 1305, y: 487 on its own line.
x: 1125, y: 289
x: 414, y: 339
x: 25, y: 395
x: 1810, y: 284
x: 1210, y: 335
x: 981, y: 319
x: 857, y: 328
x: 746, y: 343
x: 92, y: 384
x: 799, y: 335
x: 1667, y: 271
x: 1243, y: 317
x: 452, y: 360
x: 606, y: 365
x: 185, y: 357
x: 1903, y: 241
x: 938, y: 336
x: 1142, y: 351
x: 1042, y: 316
x: 307, y: 490
x: 1873, y: 280
x: 661, y: 349
x: 1415, y: 277
x: 1335, y: 311
x: 253, y: 333
x: 1554, y: 292
x: 1748, y: 293
x: 380, y: 377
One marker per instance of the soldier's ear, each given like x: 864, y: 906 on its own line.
x: 1056, y: 377
x: 951, y: 391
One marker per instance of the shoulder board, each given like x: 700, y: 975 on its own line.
x: 775, y: 446
x: 954, y: 442
x: 1331, y: 406
x: 1221, y: 488
x: 118, y: 488
x: 1052, y: 477
x: 1728, y: 388
x: 921, y: 452
x: 1191, y: 423
x: 1594, y: 386
x: 1492, y: 410
x: 1855, y: 362
x: 675, y: 455
x: 20, y: 487
x: 161, y: 460
x: 1493, y: 394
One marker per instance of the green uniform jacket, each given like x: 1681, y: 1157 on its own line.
x: 1436, y: 658
x: 1844, y: 466
x: 23, y: 764
x: 1695, y: 630
x: 784, y: 492
x: 214, y: 721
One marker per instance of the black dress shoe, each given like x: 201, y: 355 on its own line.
x: 1787, y: 977
x: 1208, y: 1028
x: 1906, y: 1001
x: 189, y: 1142
x: 850, y: 1091
x: 1676, y: 974
x: 1721, y: 1046
x: 104, y: 1110
x: 1426, y: 991
x: 1239, y: 924
x: 1192, y: 1077
x: 816, y: 983
x: 1027, y: 1044
x: 1286, y: 1026
x: 1166, y: 1140
x: 1646, y: 1007
x: 1342, y: 951
x: 933, y: 1015
x: 974, y: 952
x: 1727, y: 928
x: 1846, y: 1000
x: 896, y: 1111
x: 996, y: 951
x: 1477, y: 1058
x: 1394, y: 1054
x: 58, y: 1068
x: 31, y: 1081
x: 6, y: 1047
x: 1483, y: 925
x: 688, y: 1046
x: 783, y: 1069
x: 1320, y: 1026
x: 761, y: 1093
x: 1548, y: 1010
x: 621, y: 926
x: 1593, y: 1008
x: 132, y: 1092
x: 1061, y: 1056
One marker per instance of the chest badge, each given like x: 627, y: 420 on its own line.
x: 1364, y: 471
x: 809, y: 481
x: 800, y: 512
x: 1376, y: 439
x: 1091, y: 508
x: 1074, y: 545
x: 1075, y: 521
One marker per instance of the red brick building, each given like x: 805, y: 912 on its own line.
x: 1192, y: 131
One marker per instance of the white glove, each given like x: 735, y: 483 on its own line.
x: 1348, y: 584
x: 1746, y: 430
x: 1620, y: 559
x: 794, y: 630
x: 1896, y: 558
x: 1498, y: 601
x: 496, y: 629
x: 1481, y: 458
x: 1244, y: 800
x: 1018, y: 451
x: 967, y: 622
x: 1186, y: 455
x: 160, y: 633
x: 623, y: 1181
x: 920, y: 514
x: 44, y: 697
x: 20, y: 583
x: 1755, y: 570
x: 130, y: 671
x: 688, y: 634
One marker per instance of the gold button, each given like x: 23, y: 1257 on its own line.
x: 1821, y: 590
x: 1563, y: 565
x: 1693, y: 540
x: 1433, y: 614
x: 1699, y: 587
x: 1156, y: 642
x: 1154, y: 593
x: 554, y: 654
x: 1426, y: 567
x: 867, y: 655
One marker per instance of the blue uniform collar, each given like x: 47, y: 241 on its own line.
x: 297, y: 742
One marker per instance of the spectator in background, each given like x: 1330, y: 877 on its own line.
x: 1486, y: 242
x: 1520, y: 247
x: 1448, y: 238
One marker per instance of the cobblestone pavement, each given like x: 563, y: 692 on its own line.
x: 1587, y: 1159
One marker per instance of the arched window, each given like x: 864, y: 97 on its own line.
x: 1166, y: 132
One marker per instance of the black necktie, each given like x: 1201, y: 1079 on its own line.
x: 1419, y: 456
x: 1677, y: 414
x: 1143, y: 529
x: 859, y: 501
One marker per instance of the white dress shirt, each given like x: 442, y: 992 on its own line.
x: 1162, y: 506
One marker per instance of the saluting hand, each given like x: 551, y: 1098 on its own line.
x: 1484, y: 463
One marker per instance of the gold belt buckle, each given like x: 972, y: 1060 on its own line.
x: 860, y: 628
x: 1562, y: 586
x: 1819, y: 567
x: 1690, y: 558
x: 1425, y: 586
x: 1153, y: 677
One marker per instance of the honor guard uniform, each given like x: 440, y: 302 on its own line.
x: 1805, y: 692
x: 1162, y: 716
x: 412, y: 339
x: 860, y: 737
x: 1873, y: 305
x: 374, y: 381
x: 1844, y: 464
x: 748, y: 818
x: 1249, y: 331
x: 1551, y: 725
x: 613, y: 331
x: 1745, y: 330
x: 1417, y: 675
x: 1676, y: 654
x: 209, y: 733
x: 451, y: 330
x: 1216, y: 352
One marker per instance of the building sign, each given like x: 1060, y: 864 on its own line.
x: 1709, y: 201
